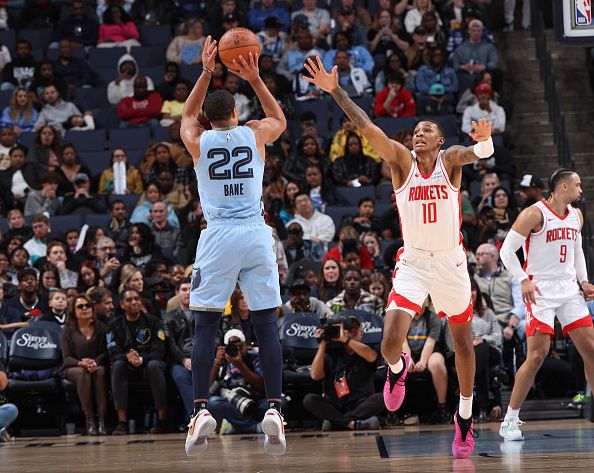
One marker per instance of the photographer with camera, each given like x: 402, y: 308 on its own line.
x: 302, y: 301
x: 347, y: 367
x: 237, y: 386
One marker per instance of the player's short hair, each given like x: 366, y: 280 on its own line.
x: 437, y: 125
x: 219, y: 105
x: 559, y: 176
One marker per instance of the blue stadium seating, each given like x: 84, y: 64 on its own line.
x: 53, y: 53
x: 90, y: 140
x: 130, y: 201
x: 135, y: 156
x: 8, y: 39
x: 105, y: 117
x: 130, y: 138
x: 91, y: 97
x: 147, y: 56
x: 27, y: 138
x: 161, y: 134
x: 391, y: 125
x: 105, y: 57
x: 352, y: 195
x: 338, y: 212
x: 96, y: 161
x: 322, y: 111
x: 155, y: 73
x: 106, y: 74
x: 65, y: 222
x: 384, y: 192
x: 97, y: 220
x: 448, y: 123
x: 39, y: 39
x: 5, y: 97
x: 155, y: 35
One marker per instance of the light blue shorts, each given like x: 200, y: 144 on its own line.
x: 231, y: 251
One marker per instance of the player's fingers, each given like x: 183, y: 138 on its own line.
x: 538, y: 290
x: 312, y: 64
x: 335, y: 70
x: 309, y: 69
x: 474, y: 124
x: 243, y: 61
x: 320, y: 63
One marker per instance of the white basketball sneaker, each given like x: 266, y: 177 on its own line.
x: 200, y: 427
x: 510, y: 429
x: 273, y: 426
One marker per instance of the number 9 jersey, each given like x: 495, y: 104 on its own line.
x: 230, y: 173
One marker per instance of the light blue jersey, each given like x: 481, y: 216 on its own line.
x: 230, y: 173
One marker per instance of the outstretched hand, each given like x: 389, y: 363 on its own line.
x: 481, y: 130
x: 319, y: 76
x: 209, y: 53
x: 246, y: 69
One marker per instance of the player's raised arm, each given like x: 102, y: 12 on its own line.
x: 458, y: 156
x: 190, y: 128
x: 390, y: 150
x: 270, y: 128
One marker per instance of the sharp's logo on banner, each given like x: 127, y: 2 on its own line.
x: 35, y: 342
x: 303, y: 331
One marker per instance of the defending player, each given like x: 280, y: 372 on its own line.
x: 553, y: 274
x: 237, y: 246
x: 432, y: 262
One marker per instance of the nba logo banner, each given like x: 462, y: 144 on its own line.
x: 583, y: 12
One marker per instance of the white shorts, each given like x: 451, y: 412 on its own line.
x: 562, y: 298
x: 443, y: 275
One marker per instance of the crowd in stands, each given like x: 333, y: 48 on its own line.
x: 101, y: 214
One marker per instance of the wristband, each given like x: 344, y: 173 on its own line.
x: 484, y: 149
x: 206, y: 69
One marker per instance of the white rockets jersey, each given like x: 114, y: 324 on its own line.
x: 549, y: 253
x: 429, y: 209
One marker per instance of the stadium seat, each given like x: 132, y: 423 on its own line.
x: 190, y: 71
x: 147, y: 56
x: 372, y: 325
x: 91, y: 97
x: 130, y: 201
x: 105, y: 57
x: 97, y: 220
x: 465, y: 81
x: 96, y: 161
x: 299, y: 346
x: 321, y: 109
x: 106, y: 74
x: 161, y: 134
x: 105, y: 117
x: 352, y: 195
x: 5, y: 96
x: 391, y: 125
x: 384, y: 191
x: 451, y: 141
x: 65, y: 222
x: 3, y: 349
x: 135, y: 156
x: 90, y: 140
x: 27, y: 138
x: 130, y: 138
x: 8, y: 39
x: 448, y: 123
x: 156, y: 73
x: 365, y: 102
x: 337, y: 213
x: 52, y: 54
x: 155, y: 35
x: 39, y: 39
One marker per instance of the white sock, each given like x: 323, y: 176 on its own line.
x: 512, y: 413
x: 465, y: 407
x: 397, y: 368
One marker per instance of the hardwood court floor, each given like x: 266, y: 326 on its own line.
x: 553, y: 446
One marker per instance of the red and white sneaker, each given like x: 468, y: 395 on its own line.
x: 273, y: 426
x: 200, y: 427
x: 394, y: 394
x: 463, y: 444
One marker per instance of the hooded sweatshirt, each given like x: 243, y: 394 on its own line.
x: 116, y: 92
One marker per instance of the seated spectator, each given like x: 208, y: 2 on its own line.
x: 226, y: 11
x: 474, y: 54
x: 176, y: 147
x: 484, y: 108
x: 141, y: 247
x: 418, y: 52
x: 505, y: 209
x: 44, y: 201
x: 237, y: 316
x: 68, y: 169
x: 437, y: 72
x: 283, y: 99
x: 354, y: 297
x: 58, y: 303
x: 123, y: 85
x: 150, y: 12
x: 308, y: 152
x: 268, y: 66
x: 360, y: 13
x: 319, y: 188
x: 20, y: 71
x: 142, y: 109
x: 308, y: 123
x: 8, y: 139
x: 84, y: 352
x: 5, y: 276
x: 172, y: 109
x: 346, y: 20
x: 349, y: 235
x: 37, y: 246
x: 128, y: 180
x: 317, y: 227
x: 293, y: 59
x: 74, y: 71
x: 394, y: 65
x: 353, y: 168
x: 181, y: 331
x: 340, y: 140
x: 414, y: 16
x: 379, y: 286
x: 437, y: 102
x: 18, y: 179
x: 187, y: 47
x: 117, y: 228
x: 132, y: 278
x: 435, y: 35
x: 8, y: 412
x: 296, y: 248
x: 394, y: 100
x: 468, y: 97
x: 117, y: 29
x: 302, y: 301
x: 19, y: 258
x: 531, y: 190
x: 258, y: 15
x: 272, y: 39
x: 330, y: 280
x: 20, y: 114
x: 420, y: 343
x: 152, y: 194
x: 386, y: 38
x: 102, y: 304
x: 80, y: 122
x: 29, y: 302
x: 17, y: 226
x: 77, y: 28
x: 460, y: 29
x: 166, y: 236
x: 488, y: 183
x: 83, y: 202
x: 304, y: 90
x: 317, y: 20
x: 287, y: 212
x: 55, y: 111
x: 46, y: 148
x: 347, y: 372
x: 352, y: 79
x: 88, y: 277
x: 107, y: 262
x: 371, y: 241
x: 171, y: 77
x: 140, y: 355
x: 242, y: 103
x: 57, y: 255
x: 49, y: 278
x: 38, y: 14
x: 44, y: 76
x: 4, y: 52
x: 10, y: 320
x: 359, y: 56
x: 164, y: 162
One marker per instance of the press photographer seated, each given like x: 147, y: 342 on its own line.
x: 346, y: 366
x: 237, y: 386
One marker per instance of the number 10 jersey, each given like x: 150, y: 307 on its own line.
x: 230, y: 172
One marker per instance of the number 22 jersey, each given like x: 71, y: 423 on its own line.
x: 429, y: 209
x: 230, y: 172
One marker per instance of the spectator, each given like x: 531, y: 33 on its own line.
x: 132, y: 278
x: 8, y: 412
x: 152, y: 194
x: 88, y: 277
x: 38, y: 14
x: 106, y: 262
x: 172, y: 109
x: 474, y: 55
x: 395, y: 64
x: 418, y: 53
x: 468, y: 97
x: 5, y: 276
x: 317, y: 227
x: 242, y: 103
x: 314, y: 18
x: 123, y: 85
x: 319, y: 188
x: 166, y: 236
x: 49, y: 279
x: 44, y: 200
x: 510, y: 11
x: 302, y: 301
x: 176, y: 147
x: 119, y: 224
x: 437, y: 102
x: 296, y: 248
x: 371, y: 241
x: 484, y: 108
x: 151, y: 12
x: 8, y: 139
x: 19, y: 258
x: 74, y: 71
x: 44, y: 76
x: 272, y: 39
x: 78, y: 28
x: 452, y: 14
x: 46, y: 149
x: 358, y: 55
x: 386, y: 38
x: 4, y: 52
x: 292, y: 61
x: 308, y: 123
x: 437, y: 72
x: 18, y: 179
x: 171, y: 77
x: 163, y: 161
x: 414, y: 16
x: 394, y: 100
x: 505, y: 209
x: 420, y: 344
x: 287, y: 212
x: 432, y: 24
x: 136, y: 344
x: 180, y: 326
x: 37, y: 246
x: 283, y: 99
x: 340, y: 140
x: 187, y: 48
x: 58, y: 303
x: 354, y: 297
x: 347, y: 373
x: 531, y: 190
x: 330, y: 280
x: 17, y: 226
x: 349, y: 237
x: 83, y: 202
x: 308, y: 152
x: 80, y: 122
x: 55, y: 111
x: 489, y: 182
x: 304, y: 90
x: 57, y: 255
x: 68, y: 169
x: 20, y: 114
x: 19, y: 72
x: 117, y: 29
x: 379, y: 286
x: 237, y: 318
x: 353, y: 79
x: 102, y: 304
x: 353, y: 168
x: 347, y: 22
x: 266, y: 9
x: 268, y: 65
x: 128, y: 180
x: 142, y: 109
x: 10, y: 320
x: 458, y: 34
x: 29, y: 302
x: 141, y: 246
x: 361, y: 14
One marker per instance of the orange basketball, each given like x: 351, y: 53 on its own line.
x: 238, y: 42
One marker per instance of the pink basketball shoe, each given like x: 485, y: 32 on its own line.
x: 394, y: 394
x: 463, y: 444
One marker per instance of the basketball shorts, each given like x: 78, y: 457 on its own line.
x: 443, y: 275
x: 561, y: 298
x: 231, y: 251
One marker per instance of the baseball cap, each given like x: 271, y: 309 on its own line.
x: 528, y: 180
x: 234, y: 332
x: 483, y: 88
x: 272, y: 22
x: 471, y: 12
x: 300, y: 20
x: 437, y: 89
x: 300, y: 284
x: 420, y: 30
x: 80, y: 177
x: 26, y: 272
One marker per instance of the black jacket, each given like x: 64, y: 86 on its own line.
x: 181, y: 335
x: 31, y: 172
x: 149, y: 340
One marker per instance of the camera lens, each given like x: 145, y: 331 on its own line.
x: 231, y: 349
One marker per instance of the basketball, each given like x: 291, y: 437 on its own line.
x: 238, y: 42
